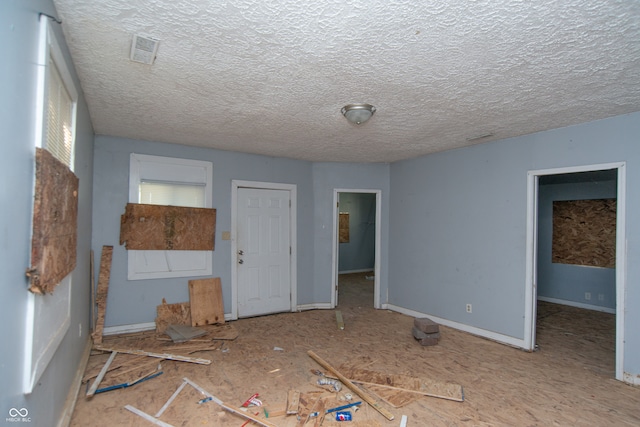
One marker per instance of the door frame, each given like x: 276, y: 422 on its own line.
x: 531, y: 293
x: 336, y: 220
x: 292, y: 189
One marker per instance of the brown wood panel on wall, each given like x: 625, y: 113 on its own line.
x: 157, y: 227
x: 344, y: 227
x: 584, y: 232
x: 55, y: 223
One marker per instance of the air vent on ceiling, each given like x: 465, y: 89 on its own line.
x: 144, y: 49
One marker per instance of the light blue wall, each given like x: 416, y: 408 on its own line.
x: 458, y: 224
x: 358, y: 254
x: 135, y: 302
x: 19, y: 28
x: 566, y: 282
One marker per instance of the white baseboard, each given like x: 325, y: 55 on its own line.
x: 503, y: 339
x: 72, y: 396
x: 364, y: 270
x: 128, y: 329
x: 579, y: 305
x: 317, y: 306
x: 631, y: 379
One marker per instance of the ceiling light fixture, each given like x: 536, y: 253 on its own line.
x: 358, y: 113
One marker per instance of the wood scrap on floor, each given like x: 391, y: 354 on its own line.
x: 339, y: 320
x: 157, y: 355
x: 405, y: 383
x: 96, y: 382
x: 172, y: 314
x: 364, y: 395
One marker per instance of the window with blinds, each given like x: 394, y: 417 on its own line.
x: 168, y: 181
x: 172, y: 194
x: 60, y: 112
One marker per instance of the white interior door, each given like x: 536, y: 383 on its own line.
x: 263, y: 251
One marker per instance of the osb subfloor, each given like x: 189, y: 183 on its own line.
x: 568, y: 382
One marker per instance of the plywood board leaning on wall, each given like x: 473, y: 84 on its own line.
x: 55, y: 223
x: 205, y: 297
x: 157, y: 227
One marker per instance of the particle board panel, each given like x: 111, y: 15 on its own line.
x: 176, y: 314
x: 55, y: 224
x: 157, y: 227
x: 344, y: 227
x: 102, y: 292
x: 584, y: 232
x: 205, y: 297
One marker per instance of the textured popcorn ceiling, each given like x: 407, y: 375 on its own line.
x: 270, y: 76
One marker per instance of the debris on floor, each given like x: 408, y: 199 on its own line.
x: 426, y: 331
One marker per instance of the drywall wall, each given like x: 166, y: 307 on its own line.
x: 565, y: 282
x: 19, y: 29
x: 134, y: 302
x: 458, y: 224
x: 359, y: 253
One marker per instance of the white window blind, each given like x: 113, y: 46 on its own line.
x: 59, y: 123
x: 172, y: 194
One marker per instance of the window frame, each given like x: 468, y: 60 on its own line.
x: 48, y: 316
x: 145, y: 167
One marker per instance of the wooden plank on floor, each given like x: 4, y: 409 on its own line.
x: 364, y: 395
x: 96, y: 382
x: 293, y: 401
x: 103, y: 290
x: 205, y: 297
x: 339, y: 320
x: 405, y: 383
x: 167, y: 356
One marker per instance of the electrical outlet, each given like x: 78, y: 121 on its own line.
x: 600, y: 297
x: 468, y: 308
x: 80, y: 329
x: 587, y: 296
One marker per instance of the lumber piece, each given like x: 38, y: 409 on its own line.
x: 171, y: 399
x: 92, y: 282
x: 158, y: 355
x: 293, y: 401
x: 405, y: 383
x: 145, y: 377
x: 92, y: 373
x: 243, y: 414
x: 205, y: 297
x: 147, y: 416
x: 96, y: 382
x: 365, y: 396
x: 101, y: 293
x: 339, y: 320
